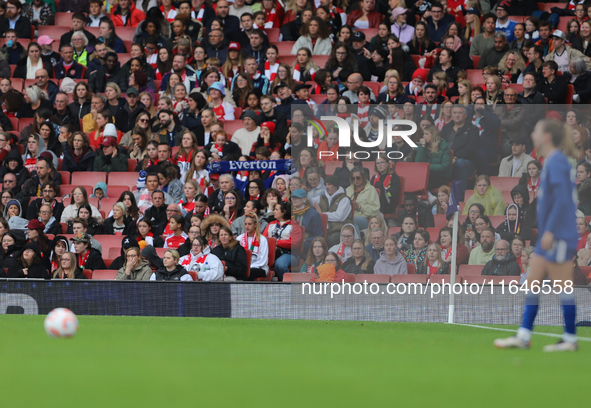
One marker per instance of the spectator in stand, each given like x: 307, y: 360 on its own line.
x: 493, y: 55
x: 485, y: 251
x: 120, y: 223
x: 515, y: 164
x: 364, y: 198
x: 29, y: 66
x: 233, y: 254
x: 95, y: 13
x: 503, y: 263
x: 438, y: 21
x: 503, y: 23
x: 39, y: 13
x: 580, y: 78
x: 109, y: 73
x: 404, y: 32
x: 546, y: 40
x: 13, y: 51
x: 29, y: 264
x: 78, y: 22
x: 435, y: 151
x: 515, y: 226
x: 554, y: 86
x: 485, y: 40
x: 418, y: 211
x: 446, y: 242
x: 67, y: 67
x: 134, y: 268
x: 79, y: 198
x: 360, y: 261
x: 68, y: 268
x: 88, y: 257
x: 253, y: 240
x: 78, y: 156
x: 391, y: 261
x: 126, y: 14
x: 337, y: 206
x: 488, y: 196
x: 316, y: 254
x: 15, y: 21
x: 366, y: 17
x: 315, y: 37
x: 558, y: 53
x: 463, y: 138
x: 49, y: 190
x: 200, y: 260
x: 171, y: 269
x: 109, y: 37
x: 110, y: 157
x: 512, y: 117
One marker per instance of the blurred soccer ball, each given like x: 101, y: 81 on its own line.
x: 61, y: 322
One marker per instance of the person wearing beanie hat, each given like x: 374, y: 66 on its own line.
x: 29, y: 264
x: 110, y: 157
x: 149, y: 253
x: 504, y: 24
x: 59, y: 246
x: 35, y: 234
x: 337, y: 206
x: 247, y: 136
x: 222, y: 108
x: 266, y: 139
x: 415, y: 86
x: 127, y: 242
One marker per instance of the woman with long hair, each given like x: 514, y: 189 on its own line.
x: 446, y: 241
x: 494, y: 93
x: 197, y: 169
x: 318, y: 250
x: 284, y: 75
x: 304, y: 67
x: 200, y: 260
x: 199, y: 58
x: 272, y: 63
x: 148, y: 100
x: 68, y: 268
x: 28, y: 264
x: 169, y: 181
x: 416, y: 254
x: 232, y: 254
x: 253, y: 240
x: 345, y: 35
x: 49, y: 138
x: 164, y: 63
x: 306, y: 159
x: 138, y: 148
x: 444, y: 113
x: 184, y: 155
x: 28, y: 66
x: 295, y: 8
x: 234, y: 62
x: 314, y: 36
x: 281, y: 229
x: 82, y: 96
x: 531, y: 178
x: 341, y: 59
x: 442, y: 202
x: 173, y: 80
x: 151, y: 157
x: 421, y: 44
x: 60, y: 246
x: 387, y: 182
x: 433, y: 263
x: 232, y: 206
x: 190, y: 191
x: 473, y: 25
x: 243, y: 87
x: 210, y: 228
x: 511, y: 67
x: 391, y: 261
x: 465, y: 92
x: 79, y: 198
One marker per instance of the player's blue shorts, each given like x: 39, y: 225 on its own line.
x: 559, y: 253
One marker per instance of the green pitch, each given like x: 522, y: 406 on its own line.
x: 180, y: 362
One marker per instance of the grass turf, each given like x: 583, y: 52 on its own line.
x: 174, y: 362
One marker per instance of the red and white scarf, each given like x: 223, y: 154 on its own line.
x: 433, y: 109
x: 198, y: 15
x: 254, y: 244
x: 297, y: 75
x: 477, y: 124
x: 531, y: 187
x: 269, y: 19
x: 82, y: 262
x: 572, y: 4
x: 363, y: 113
x: 271, y: 71
x: 341, y: 250
x: 152, y: 59
x: 440, y: 123
x: 385, y: 184
x: 171, y: 14
x: 188, y: 258
x: 188, y: 206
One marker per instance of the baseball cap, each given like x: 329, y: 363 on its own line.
x: 132, y: 91
x: 559, y: 34
x: 109, y: 141
x: 280, y: 85
x: 234, y: 46
x: 81, y: 237
x: 299, y: 193
x: 358, y: 36
x: 44, y: 40
x: 301, y: 86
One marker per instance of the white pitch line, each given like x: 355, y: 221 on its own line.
x: 514, y: 331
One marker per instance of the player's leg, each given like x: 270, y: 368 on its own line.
x: 535, y: 275
x: 561, y: 275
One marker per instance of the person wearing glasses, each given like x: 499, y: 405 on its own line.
x: 49, y: 190
x: 14, y: 20
x: 5, y: 145
x: 13, y: 165
x: 364, y: 198
x: 503, y: 263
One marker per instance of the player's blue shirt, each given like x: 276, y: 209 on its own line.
x: 557, y: 200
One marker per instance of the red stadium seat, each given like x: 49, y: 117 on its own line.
x: 586, y: 270
x: 231, y: 126
x: 64, y: 227
x: 65, y: 177
x: 160, y: 252
x: 562, y: 23
x: 548, y: 6
x: 273, y: 34
x: 324, y: 219
x: 193, y: 275
x: 14, y: 122
x: 63, y: 19
x: 415, y: 59
x: 331, y: 166
x: 411, y: 268
x: 55, y: 32
x: 371, y: 278
x: 108, y: 262
x: 393, y: 230
x: 109, y: 241
x: 475, y: 76
x: 471, y: 270
x: 504, y: 183
x: 409, y: 279
x: 369, y: 32
x: 104, y: 274
x: 18, y: 84
x: 106, y: 204
x: 416, y: 177
x: 297, y: 277
x: 12, y: 68
x: 321, y: 60
x: 440, y: 220
x: 87, y: 273
x: 24, y: 122
x: 285, y: 48
x: 287, y: 58
x: 248, y: 261
x: 371, y: 166
x: 131, y: 165
x: 113, y: 252
x: 116, y: 191
x: 125, y: 33
x: 123, y: 58
x: 89, y: 177
x: 318, y: 98
x: 497, y: 220
x: 373, y: 86
x: 123, y: 178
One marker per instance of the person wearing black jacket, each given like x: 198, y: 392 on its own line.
x: 270, y: 114
x: 582, y: 82
x: 503, y: 262
x: 171, y: 271
x: 485, y: 119
x: 535, y: 103
x: 98, y: 80
x: 12, y: 242
x: 464, y: 139
x: 13, y: 163
x: 22, y: 26
x: 79, y: 156
x: 553, y: 87
x: 78, y: 21
x: 231, y: 252
x: 192, y: 116
x: 216, y: 199
x: 126, y: 243
x: 49, y: 190
x: 359, y: 46
x: 418, y: 211
x: 67, y: 67
x: 120, y: 222
x: 157, y: 212
x: 88, y: 257
x: 28, y: 264
x: 230, y: 22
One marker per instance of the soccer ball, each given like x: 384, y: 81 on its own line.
x: 61, y: 322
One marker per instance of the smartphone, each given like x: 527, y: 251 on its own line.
x: 469, y: 228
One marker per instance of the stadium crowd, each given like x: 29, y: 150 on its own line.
x: 195, y: 82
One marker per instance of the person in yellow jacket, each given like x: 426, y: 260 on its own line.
x: 364, y: 198
x: 487, y: 195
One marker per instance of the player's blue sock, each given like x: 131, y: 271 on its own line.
x: 529, y: 315
x: 569, y: 310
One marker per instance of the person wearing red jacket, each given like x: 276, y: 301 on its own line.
x: 366, y: 17
x: 126, y: 15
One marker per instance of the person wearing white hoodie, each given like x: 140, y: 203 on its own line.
x: 257, y: 243
x: 200, y: 260
x: 343, y: 248
x: 337, y: 206
x: 391, y: 261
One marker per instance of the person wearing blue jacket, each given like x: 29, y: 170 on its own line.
x: 555, y: 250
